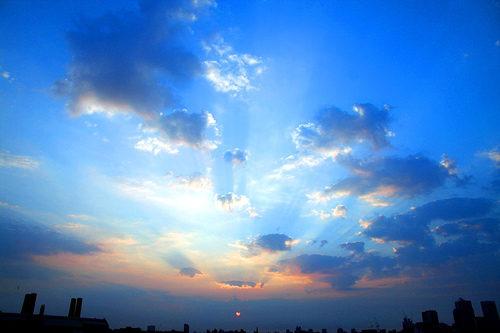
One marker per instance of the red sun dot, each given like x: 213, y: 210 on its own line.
x: 238, y: 314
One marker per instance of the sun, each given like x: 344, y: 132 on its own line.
x: 238, y: 313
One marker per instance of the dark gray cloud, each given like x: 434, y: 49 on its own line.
x: 22, y: 239
x: 241, y: 284
x: 377, y: 178
x: 188, y: 129
x: 334, y: 128
x: 190, y: 272
x: 274, y: 242
x: 353, y: 247
x: 467, y: 232
x: 237, y: 156
x: 340, y: 272
x: 269, y: 243
x: 323, y: 243
x: 134, y: 62
x: 412, y: 227
x: 128, y: 61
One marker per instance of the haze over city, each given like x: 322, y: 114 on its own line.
x: 313, y: 163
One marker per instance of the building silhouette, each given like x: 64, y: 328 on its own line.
x: 27, y: 321
x: 463, y: 316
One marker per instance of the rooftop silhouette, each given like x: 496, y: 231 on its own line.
x: 464, y: 318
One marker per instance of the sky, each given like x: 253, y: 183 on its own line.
x: 320, y: 164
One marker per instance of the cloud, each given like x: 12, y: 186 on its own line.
x: 377, y: 178
x: 353, y: 247
x: 189, y: 272
x: 232, y: 202
x: 493, y: 155
x: 340, y: 211
x: 334, y: 128
x: 7, y: 160
x: 412, y: 227
x: 132, y: 62
x: 128, y: 61
x: 340, y: 272
x: 323, y: 243
x: 274, y: 242
x: 270, y: 243
x: 21, y: 240
x: 194, y: 181
x: 188, y: 129
x: 296, y: 162
x: 237, y: 157
x: 229, y: 71
x: 155, y: 146
x: 241, y: 284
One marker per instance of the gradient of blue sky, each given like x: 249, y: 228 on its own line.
x: 311, y: 163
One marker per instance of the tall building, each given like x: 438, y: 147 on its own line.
x: 490, y: 314
x: 430, y: 317
x: 463, y: 315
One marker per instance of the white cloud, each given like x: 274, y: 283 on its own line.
x: 8, y: 160
x: 231, y: 72
x: 155, y: 146
x: 493, y: 155
x: 232, y: 202
x: 195, y: 181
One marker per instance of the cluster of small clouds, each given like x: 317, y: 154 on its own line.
x: 230, y: 72
x: 469, y: 228
x: 338, y: 212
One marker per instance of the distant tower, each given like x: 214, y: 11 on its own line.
x: 430, y: 317
x: 490, y: 313
x: 29, y: 304
x: 464, y: 317
x: 186, y: 328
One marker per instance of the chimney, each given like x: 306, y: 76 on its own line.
x: 72, y: 305
x: 42, y: 310
x: 78, y: 309
x: 29, y: 304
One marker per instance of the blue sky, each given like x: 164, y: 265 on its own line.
x: 311, y: 163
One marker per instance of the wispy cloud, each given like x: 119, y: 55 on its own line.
x: 7, y: 160
x: 493, y: 155
x: 195, y: 181
x: 241, y: 284
x: 21, y: 240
